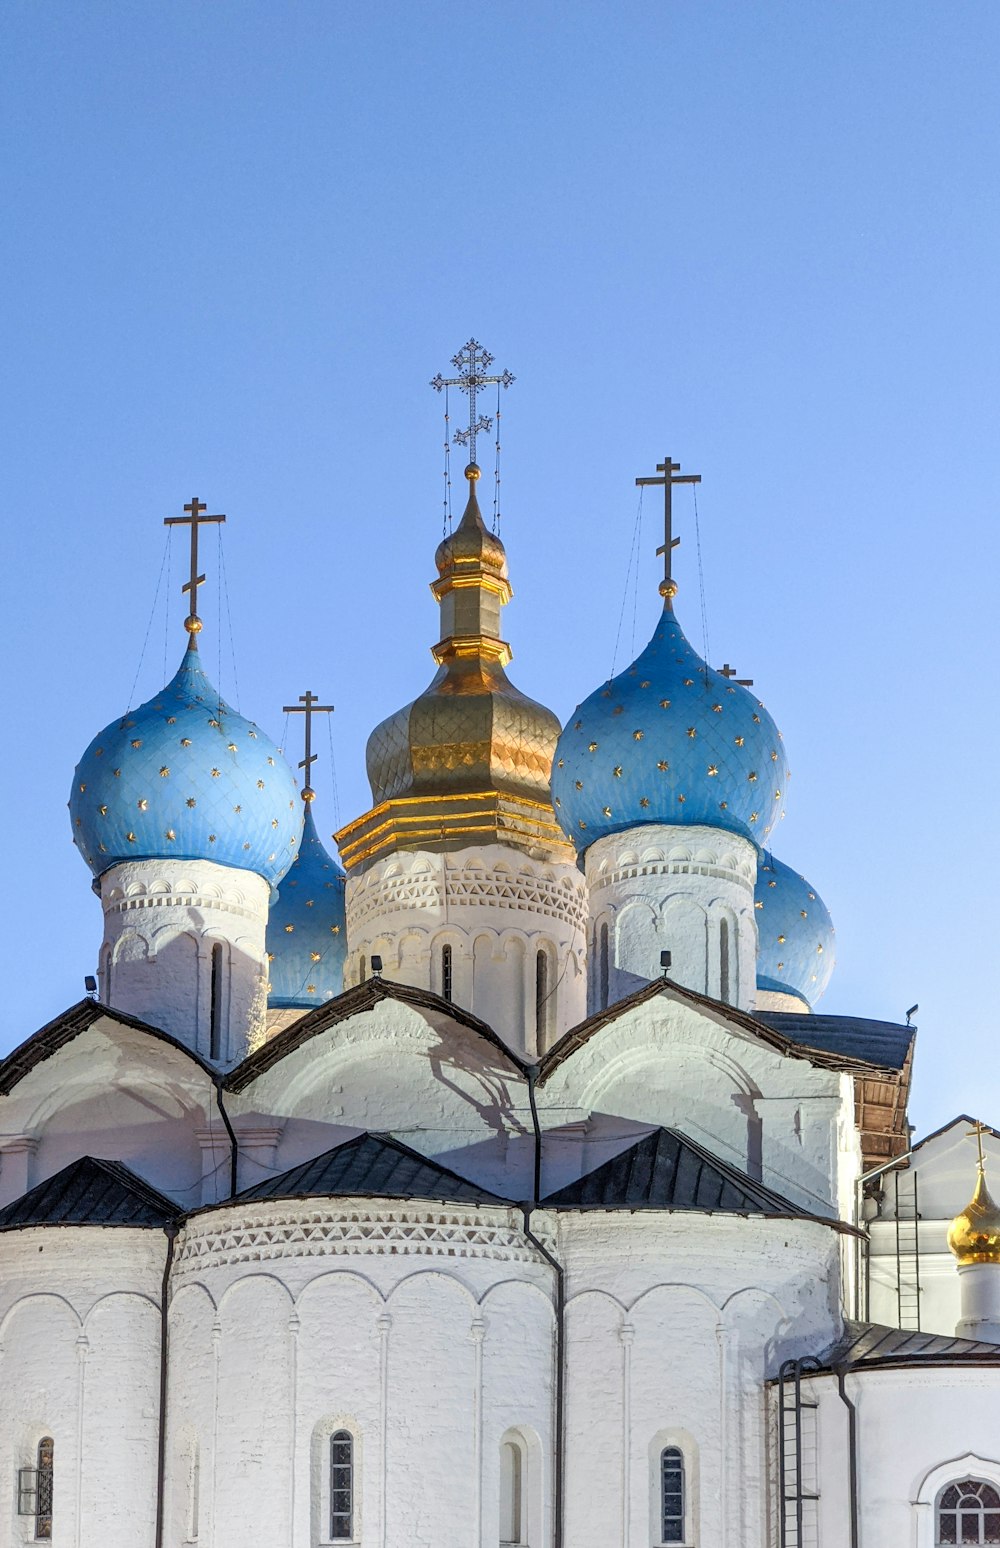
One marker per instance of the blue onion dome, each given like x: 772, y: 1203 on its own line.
x: 796, y: 950
x: 184, y: 776
x: 307, y: 928
x: 669, y: 740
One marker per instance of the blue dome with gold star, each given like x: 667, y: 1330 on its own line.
x: 307, y: 927
x: 669, y: 740
x: 795, y: 936
x: 184, y: 776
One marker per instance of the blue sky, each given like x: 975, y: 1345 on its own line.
x: 239, y: 239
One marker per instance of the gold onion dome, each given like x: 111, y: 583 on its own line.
x: 974, y: 1235
x: 470, y: 760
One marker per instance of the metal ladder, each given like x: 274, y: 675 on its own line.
x: 797, y: 1521
x: 907, y: 1221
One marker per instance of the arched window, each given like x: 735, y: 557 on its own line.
x: 446, y: 978
x: 341, y: 1486
x: 511, y: 1493
x: 603, y: 967
x: 542, y: 1007
x: 215, y: 1024
x: 724, y: 960
x: 968, y: 1512
x: 672, y: 1502
x: 34, y: 1490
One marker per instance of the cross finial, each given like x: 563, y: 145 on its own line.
x: 472, y: 363
x: 194, y: 519
x: 977, y: 1131
x: 728, y: 671
x: 308, y: 706
x: 671, y: 475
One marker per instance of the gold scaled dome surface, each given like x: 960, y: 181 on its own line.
x: 974, y: 1235
x: 470, y: 760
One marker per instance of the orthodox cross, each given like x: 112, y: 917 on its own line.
x: 194, y: 520
x: 728, y: 671
x: 671, y: 476
x: 308, y: 706
x: 977, y: 1131
x: 472, y: 362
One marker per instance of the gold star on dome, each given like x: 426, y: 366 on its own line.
x: 606, y: 810
x: 270, y: 956
x: 214, y: 723
x: 171, y: 720
x: 215, y: 773
x: 772, y: 884
x: 619, y: 709
x: 271, y: 762
x: 682, y: 799
x: 185, y: 741
x: 142, y: 804
x: 754, y: 816
x: 643, y: 801
x: 803, y: 913
x: 582, y: 823
x: 664, y: 703
x: 617, y: 771
x: 758, y: 905
x: 117, y: 773
x: 717, y: 708
x: 774, y: 756
x: 819, y: 951
x: 752, y: 777
x: 170, y: 834
x: 103, y: 811
x: 559, y: 764
x: 644, y: 684
x: 756, y: 719
x: 137, y: 743
x: 314, y: 956
x: 211, y: 838
x: 663, y: 765
x: 713, y: 768
x: 592, y: 747
x: 780, y: 966
x: 637, y: 736
x: 130, y: 837
x: 557, y: 801
x: 237, y: 810
x: 723, y: 806
x: 689, y: 682
x: 191, y: 801
x: 579, y: 784
x: 334, y: 929
x: 164, y: 772
x: 289, y: 928
x: 739, y: 740
x: 274, y: 822
x: 231, y: 747
x: 781, y: 940
x: 82, y: 789
x: 260, y: 784
x: 692, y: 731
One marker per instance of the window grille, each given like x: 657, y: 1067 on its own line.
x: 341, y: 1487
x: 446, y: 978
x: 672, y: 1494
x: 968, y: 1512
x: 34, y: 1490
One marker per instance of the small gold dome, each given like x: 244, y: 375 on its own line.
x: 974, y: 1235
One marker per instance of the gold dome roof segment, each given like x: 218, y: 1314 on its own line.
x: 470, y: 759
x: 974, y: 1235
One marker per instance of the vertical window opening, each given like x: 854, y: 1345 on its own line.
x: 363, y: 974
x: 672, y: 1494
x: 341, y: 1486
x: 446, y: 978
x: 724, y: 960
x: 541, y: 995
x: 511, y: 1495
x: 603, y: 967
x: 194, y: 1487
x: 215, y: 1024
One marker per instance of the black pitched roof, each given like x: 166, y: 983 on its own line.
x: 869, y: 1345
x: 68, y: 1025
x: 375, y: 1165
x: 353, y: 1002
x: 878, y: 1042
x: 90, y: 1192
x: 666, y: 1170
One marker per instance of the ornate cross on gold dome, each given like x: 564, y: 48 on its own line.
x: 473, y: 362
x: 976, y: 1132
x: 194, y: 520
x: 671, y: 476
x: 308, y: 706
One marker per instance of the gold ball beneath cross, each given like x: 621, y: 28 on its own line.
x: 472, y: 472
x: 668, y: 588
x: 192, y: 623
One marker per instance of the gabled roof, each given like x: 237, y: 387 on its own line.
x: 869, y: 1345
x: 951, y: 1124
x: 90, y: 1192
x: 877, y: 1042
x: 56, y: 1034
x: 354, y: 1002
x: 666, y: 1170
x: 780, y: 1040
x: 372, y: 1165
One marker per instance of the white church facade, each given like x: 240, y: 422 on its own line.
x: 499, y: 1183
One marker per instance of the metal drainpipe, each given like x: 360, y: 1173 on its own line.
x: 852, y: 1446
x: 560, y: 1274
x: 234, y: 1148
x: 170, y: 1232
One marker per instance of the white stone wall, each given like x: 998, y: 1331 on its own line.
x: 918, y: 1430
x: 497, y: 909
x: 79, y: 1361
x: 162, y: 919
x: 688, y: 891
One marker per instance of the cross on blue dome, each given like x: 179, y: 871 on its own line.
x: 184, y: 776
x: 669, y: 740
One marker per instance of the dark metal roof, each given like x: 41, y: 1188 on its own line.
x: 666, y: 1170
x: 877, y: 1042
x: 778, y: 1038
x: 353, y: 1002
x: 375, y: 1165
x: 56, y: 1034
x: 869, y: 1345
x: 90, y: 1192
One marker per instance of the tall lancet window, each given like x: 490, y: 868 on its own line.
x: 542, y: 1007
x: 603, y: 967
x: 215, y: 1024
x: 446, y: 973
x: 34, y: 1490
x: 672, y: 1494
x: 968, y: 1512
x: 724, y: 960
x: 341, y: 1486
